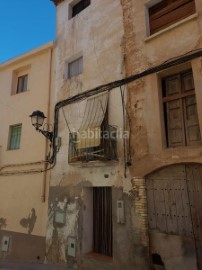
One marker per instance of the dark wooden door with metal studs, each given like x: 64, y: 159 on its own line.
x: 174, y: 197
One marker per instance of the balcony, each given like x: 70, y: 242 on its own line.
x: 102, y: 147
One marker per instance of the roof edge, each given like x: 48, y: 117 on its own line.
x: 57, y: 2
x: 25, y: 55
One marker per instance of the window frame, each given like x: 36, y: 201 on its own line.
x: 22, y: 83
x: 181, y: 97
x: 67, y: 68
x: 75, y: 4
x: 151, y: 4
x: 12, y: 137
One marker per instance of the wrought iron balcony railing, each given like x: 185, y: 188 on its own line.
x: 102, y: 146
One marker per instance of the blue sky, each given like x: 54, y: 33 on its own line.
x: 24, y: 25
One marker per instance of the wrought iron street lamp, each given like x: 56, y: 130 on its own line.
x: 37, y: 119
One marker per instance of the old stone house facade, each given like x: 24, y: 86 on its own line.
x: 25, y: 86
x: 129, y: 202
x: 90, y: 219
x: 164, y: 39
x: 125, y: 179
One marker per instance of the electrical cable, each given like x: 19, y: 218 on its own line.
x: 109, y: 87
x: 129, y: 127
x: 124, y: 128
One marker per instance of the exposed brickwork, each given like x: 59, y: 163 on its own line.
x: 140, y: 211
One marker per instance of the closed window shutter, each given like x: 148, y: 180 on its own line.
x: 175, y: 123
x: 15, y: 135
x: 191, y: 121
x: 181, y: 117
x: 168, y: 12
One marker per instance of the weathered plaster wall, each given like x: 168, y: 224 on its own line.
x: 148, y: 145
x: 96, y: 33
x: 144, y: 96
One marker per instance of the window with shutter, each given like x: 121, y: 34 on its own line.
x: 180, y: 110
x: 167, y: 12
x: 14, y: 137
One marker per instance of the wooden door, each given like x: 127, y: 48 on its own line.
x: 174, y: 196
x: 194, y: 183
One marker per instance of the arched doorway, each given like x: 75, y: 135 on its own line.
x: 174, y: 197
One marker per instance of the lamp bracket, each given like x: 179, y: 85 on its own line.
x: 47, y: 134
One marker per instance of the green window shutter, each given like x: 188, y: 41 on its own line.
x: 15, y: 135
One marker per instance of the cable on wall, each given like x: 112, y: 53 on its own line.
x: 112, y: 85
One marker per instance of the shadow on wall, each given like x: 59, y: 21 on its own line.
x: 30, y: 221
x: 2, y: 223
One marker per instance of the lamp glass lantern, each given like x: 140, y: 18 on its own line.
x: 37, y: 119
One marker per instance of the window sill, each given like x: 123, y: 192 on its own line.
x: 15, y: 93
x: 183, y: 148
x: 94, y: 163
x: 190, y: 18
x: 98, y: 257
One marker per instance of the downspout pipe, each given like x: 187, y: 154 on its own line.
x: 48, y: 117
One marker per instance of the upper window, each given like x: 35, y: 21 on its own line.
x: 14, y: 137
x: 77, y: 7
x: 180, y: 110
x: 20, y: 80
x: 22, y: 83
x: 74, y: 68
x: 167, y: 12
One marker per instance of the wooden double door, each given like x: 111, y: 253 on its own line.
x: 174, y: 197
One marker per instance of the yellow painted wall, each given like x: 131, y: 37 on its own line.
x: 20, y: 189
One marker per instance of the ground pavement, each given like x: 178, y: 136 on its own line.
x: 31, y: 266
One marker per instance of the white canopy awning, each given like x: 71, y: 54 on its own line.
x: 89, y: 131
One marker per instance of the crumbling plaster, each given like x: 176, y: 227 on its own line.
x: 97, y: 34
x: 149, y: 151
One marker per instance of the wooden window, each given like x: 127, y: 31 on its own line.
x: 14, y: 137
x: 76, y: 9
x: 168, y: 12
x: 22, y: 84
x: 75, y: 67
x: 180, y: 110
x: 102, y: 220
